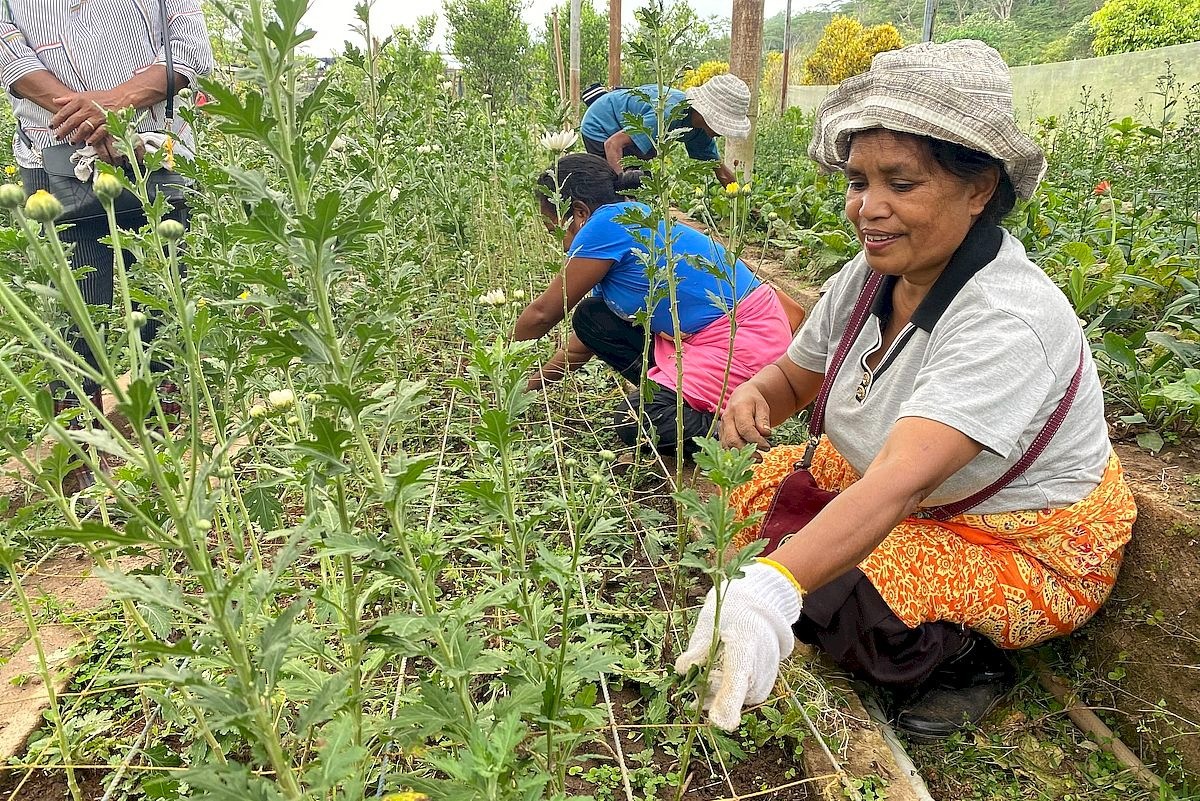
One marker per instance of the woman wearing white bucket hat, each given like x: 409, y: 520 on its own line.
x: 967, y: 498
x: 719, y: 107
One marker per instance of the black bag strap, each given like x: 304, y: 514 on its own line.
x: 169, y: 62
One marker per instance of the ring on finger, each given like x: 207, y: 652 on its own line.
x: 90, y: 124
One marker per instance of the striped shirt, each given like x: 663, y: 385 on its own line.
x: 94, y: 45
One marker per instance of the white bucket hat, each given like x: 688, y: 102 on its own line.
x: 724, y: 102
x: 958, y: 91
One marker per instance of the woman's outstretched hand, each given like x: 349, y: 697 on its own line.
x: 747, y: 419
x: 757, y: 613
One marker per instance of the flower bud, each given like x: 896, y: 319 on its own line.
x: 293, y: 420
x: 225, y: 472
x: 281, y: 399
x: 137, y: 320
x: 43, y: 207
x: 11, y: 196
x: 171, y: 230
x: 597, y: 478
x: 313, y: 397
x: 203, y: 524
x: 107, y: 187
x: 185, y: 93
x: 607, y: 455
x: 258, y: 411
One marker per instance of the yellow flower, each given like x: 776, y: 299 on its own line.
x: 245, y: 295
x: 201, y: 303
x: 10, y: 170
x: 43, y: 206
x: 169, y: 149
x: 732, y: 188
x: 408, y: 795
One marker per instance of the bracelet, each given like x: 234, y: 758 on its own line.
x: 786, y: 573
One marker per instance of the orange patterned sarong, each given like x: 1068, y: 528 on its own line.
x: 1019, y: 578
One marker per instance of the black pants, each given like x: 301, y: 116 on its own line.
x: 849, y: 620
x: 622, y: 345
x: 86, y: 250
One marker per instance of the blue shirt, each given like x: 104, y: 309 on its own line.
x: 607, y: 116
x: 702, y: 268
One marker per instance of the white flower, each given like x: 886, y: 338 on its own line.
x: 447, y: 86
x: 486, y: 96
x: 424, y: 150
x: 501, y: 122
x: 559, y: 141
x: 337, y: 144
x: 493, y: 298
x: 281, y: 399
x: 519, y: 294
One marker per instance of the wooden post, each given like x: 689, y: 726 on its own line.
x: 575, y: 26
x: 558, y: 62
x: 745, y: 61
x: 787, y: 58
x: 614, y: 43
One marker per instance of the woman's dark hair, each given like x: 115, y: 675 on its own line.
x: 967, y: 164
x: 587, y: 179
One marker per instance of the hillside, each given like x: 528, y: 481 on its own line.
x: 1024, y: 31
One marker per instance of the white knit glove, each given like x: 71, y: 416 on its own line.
x: 757, y: 613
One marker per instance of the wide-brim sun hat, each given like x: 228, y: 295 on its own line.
x: 958, y: 91
x: 724, y: 102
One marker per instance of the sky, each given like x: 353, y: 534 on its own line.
x: 331, y: 19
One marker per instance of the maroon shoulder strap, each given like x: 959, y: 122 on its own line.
x: 1035, y: 450
x: 858, y: 318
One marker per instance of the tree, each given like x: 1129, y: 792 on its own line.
x: 492, y: 42
x: 593, y: 39
x: 846, y: 49
x: 1123, y: 26
x: 698, y: 40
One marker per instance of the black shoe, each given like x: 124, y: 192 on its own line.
x: 960, y: 693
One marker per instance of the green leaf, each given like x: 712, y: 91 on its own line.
x: 263, y: 504
x: 1187, y: 352
x: 141, y: 400
x: 92, y: 531
x: 1151, y: 441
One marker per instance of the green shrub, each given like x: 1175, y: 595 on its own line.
x: 1122, y: 26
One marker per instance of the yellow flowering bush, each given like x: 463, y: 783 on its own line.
x: 846, y: 48
x: 697, y: 76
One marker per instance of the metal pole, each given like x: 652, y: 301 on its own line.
x: 614, y: 43
x: 575, y: 11
x: 787, y: 58
x: 927, y: 28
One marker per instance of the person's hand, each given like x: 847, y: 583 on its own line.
x: 757, y: 613
x: 81, y: 116
x: 106, y: 150
x: 747, y: 418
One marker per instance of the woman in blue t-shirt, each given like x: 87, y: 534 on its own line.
x: 607, y: 284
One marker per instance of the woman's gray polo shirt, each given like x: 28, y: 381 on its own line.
x: 990, y: 351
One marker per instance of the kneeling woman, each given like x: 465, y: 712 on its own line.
x: 606, y: 282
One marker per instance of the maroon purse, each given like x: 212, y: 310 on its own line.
x: 798, y: 499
